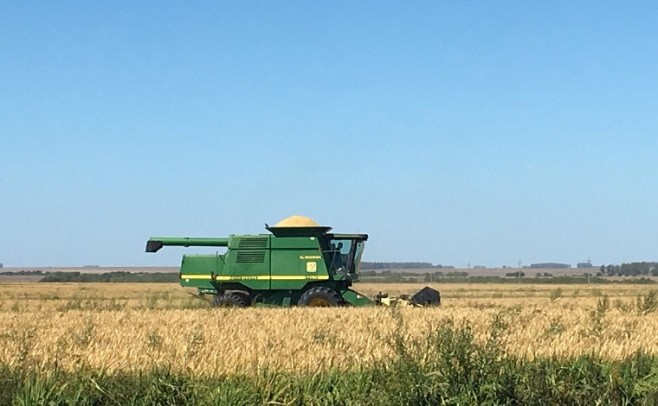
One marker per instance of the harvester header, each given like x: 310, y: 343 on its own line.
x: 300, y: 263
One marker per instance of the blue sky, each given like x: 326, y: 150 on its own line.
x: 452, y: 132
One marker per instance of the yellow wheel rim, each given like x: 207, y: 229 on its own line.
x: 319, y: 302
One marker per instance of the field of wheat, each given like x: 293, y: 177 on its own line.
x: 133, y: 327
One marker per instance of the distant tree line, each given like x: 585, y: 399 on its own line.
x: 120, y: 276
x: 395, y: 274
x: 401, y: 265
x: 512, y: 277
x: 548, y: 265
x: 630, y: 269
x: 23, y: 273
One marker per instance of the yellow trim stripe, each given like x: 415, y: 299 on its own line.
x: 298, y: 277
x: 258, y: 277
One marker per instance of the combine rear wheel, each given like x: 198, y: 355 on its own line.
x: 320, y: 296
x: 229, y: 300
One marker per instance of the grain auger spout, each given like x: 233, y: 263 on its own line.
x: 155, y: 243
x: 299, y: 263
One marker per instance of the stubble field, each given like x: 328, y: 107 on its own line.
x: 114, y: 329
x: 129, y: 327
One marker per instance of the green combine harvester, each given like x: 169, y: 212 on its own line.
x: 300, y: 263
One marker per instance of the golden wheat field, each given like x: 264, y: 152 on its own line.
x: 128, y: 327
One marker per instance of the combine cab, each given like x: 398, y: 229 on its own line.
x: 299, y: 263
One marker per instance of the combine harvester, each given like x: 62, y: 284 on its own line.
x: 300, y: 263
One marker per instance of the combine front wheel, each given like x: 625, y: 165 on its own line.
x: 229, y: 300
x: 320, y: 296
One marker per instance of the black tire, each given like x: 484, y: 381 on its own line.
x: 229, y: 300
x: 320, y: 296
x: 244, y: 295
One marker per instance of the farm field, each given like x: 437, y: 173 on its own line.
x: 115, y: 329
x: 530, y: 272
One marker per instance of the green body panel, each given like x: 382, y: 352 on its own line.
x: 296, y: 261
x: 195, y: 270
x: 273, y: 269
x: 303, y: 243
x: 247, y: 262
x: 355, y: 298
x: 249, y: 242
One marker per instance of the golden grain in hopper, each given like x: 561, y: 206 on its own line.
x: 297, y: 221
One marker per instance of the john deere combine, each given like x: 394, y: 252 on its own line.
x: 300, y: 263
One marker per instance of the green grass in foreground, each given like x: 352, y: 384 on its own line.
x: 446, y: 367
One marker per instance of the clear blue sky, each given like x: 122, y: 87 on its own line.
x: 452, y: 132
